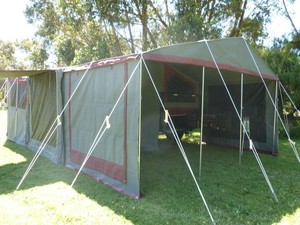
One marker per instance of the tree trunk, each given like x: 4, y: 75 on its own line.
x: 143, y: 16
x: 239, y: 18
x: 118, y: 49
x: 129, y: 28
x: 289, y: 17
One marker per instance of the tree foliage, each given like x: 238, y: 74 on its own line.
x: 284, y: 60
x: 84, y: 30
x: 7, y: 55
x: 9, y: 59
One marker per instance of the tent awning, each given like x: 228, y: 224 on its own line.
x: 21, y: 73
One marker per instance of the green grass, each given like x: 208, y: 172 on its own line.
x: 235, y: 194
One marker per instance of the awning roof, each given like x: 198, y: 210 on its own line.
x: 231, y: 54
x: 22, y: 73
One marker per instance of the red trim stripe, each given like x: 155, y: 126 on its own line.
x: 110, y: 169
x: 103, y: 63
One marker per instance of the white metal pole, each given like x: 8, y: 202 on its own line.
x: 140, y: 119
x: 241, y: 125
x: 201, y: 126
x: 275, y: 117
x: 16, y: 109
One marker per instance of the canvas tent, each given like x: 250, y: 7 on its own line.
x: 32, y: 108
x: 111, y: 111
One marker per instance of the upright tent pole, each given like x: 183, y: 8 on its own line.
x: 201, y: 126
x: 241, y: 125
x: 275, y: 118
x: 140, y: 121
x: 16, y: 109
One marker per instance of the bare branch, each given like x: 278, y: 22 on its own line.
x: 289, y: 17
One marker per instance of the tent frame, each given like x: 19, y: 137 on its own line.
x: 202, y: 121
x: 241, y: 148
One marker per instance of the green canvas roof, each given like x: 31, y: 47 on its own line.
x: 231, y: 54
x: 21, y: 73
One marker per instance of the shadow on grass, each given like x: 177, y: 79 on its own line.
x: 43, y: 172
x: 235, y: 194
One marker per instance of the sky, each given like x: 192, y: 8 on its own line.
x: 280, y: 25
x: 13, y: 24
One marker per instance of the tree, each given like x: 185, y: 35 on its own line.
x: 296, y: 41
x: 85, y: 30
x: 206, y: 19
x: 7, y: 55
x: 250, y: 19
x: 193, y: 20
x: 285, y: 62
x: 287, y: 14
x: 109, y: 15
x: 284, y: 59
x: 7, y: 60
x: 124, y: 20
x: 36, y: 54
x: 68, y: 28
x: 296, y: 34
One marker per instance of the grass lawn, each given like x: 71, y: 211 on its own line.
x: 235, y: 194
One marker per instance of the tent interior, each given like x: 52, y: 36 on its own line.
x: 180, y: 89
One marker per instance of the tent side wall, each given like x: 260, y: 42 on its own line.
x: 17, y: 115
x: 32, y: 109
x: 115, y: 159
x: 43, y: 113
x: 270, y: 144
x: 223, y: 125
x: 151, y: 108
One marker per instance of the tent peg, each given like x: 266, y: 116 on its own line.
x: 58, y: 120
x: 250, y: 144
x: 107, y: 122
x: 166, y: 120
